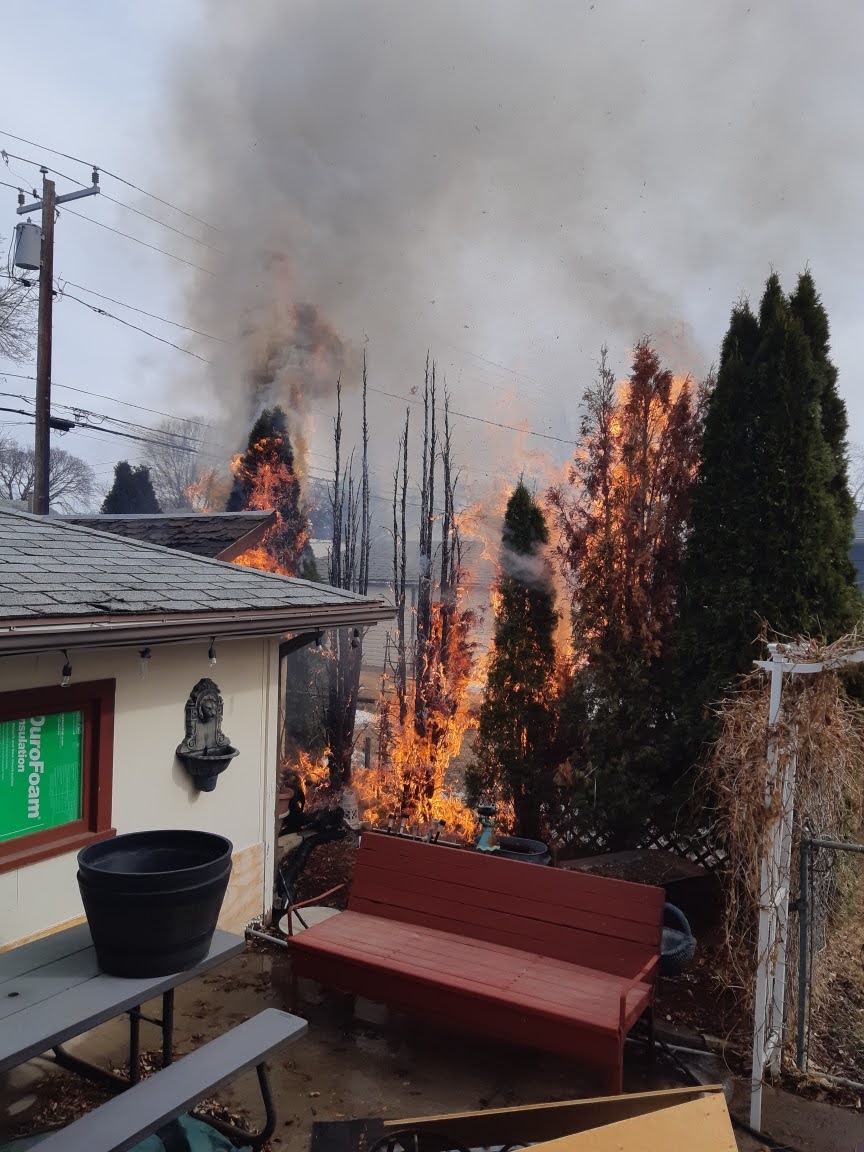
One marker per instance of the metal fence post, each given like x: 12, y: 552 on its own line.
x: 803, y: 951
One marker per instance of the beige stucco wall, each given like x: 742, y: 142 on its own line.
x: 151, y: 789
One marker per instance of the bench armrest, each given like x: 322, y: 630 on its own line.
x: 138, y: 1112
x: 646, y: 975
x: 304, y: 903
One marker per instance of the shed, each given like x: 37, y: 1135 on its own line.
x: 102, y: 640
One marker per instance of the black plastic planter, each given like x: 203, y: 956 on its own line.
x: 520, y: 848
x: 678, y: 945
x: 152, y: 899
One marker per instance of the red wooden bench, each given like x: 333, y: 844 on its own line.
x: 551, y: 959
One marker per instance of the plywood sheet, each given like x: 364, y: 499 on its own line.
x: 244, y: 899
x: 42, y: 933
x: 533, y: 1123
x: 702, y: 1124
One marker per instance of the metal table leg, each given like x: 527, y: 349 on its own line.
x: 135, y: 1045
x: 240, y: 1135
x: 111, y: 1080
x: 167, y: 1024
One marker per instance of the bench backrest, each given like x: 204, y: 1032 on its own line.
x: 609, y: 925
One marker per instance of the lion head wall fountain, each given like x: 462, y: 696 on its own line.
x: 206, y: 751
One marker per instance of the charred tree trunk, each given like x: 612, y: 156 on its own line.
x: 400, y: 558
x: 425, y: 589
x: 348, y: 568
x: 334, y: 564
x: 365, y: 513
x: 449, y: 537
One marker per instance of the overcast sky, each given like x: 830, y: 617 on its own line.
x: 510, y: 183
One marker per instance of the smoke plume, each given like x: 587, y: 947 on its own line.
x: 508, y: 183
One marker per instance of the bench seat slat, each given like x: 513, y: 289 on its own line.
x: 138, y: 1112
x: 535, y: 984
x: 621, y: 957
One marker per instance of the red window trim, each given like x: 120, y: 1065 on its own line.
x: 95, y: 699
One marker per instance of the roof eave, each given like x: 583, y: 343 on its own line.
x: 40, y: 635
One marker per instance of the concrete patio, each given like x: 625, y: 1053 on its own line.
x: 372, y: 1064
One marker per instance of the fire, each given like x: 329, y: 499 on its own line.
x: 208, y: 493
x: 414, y: 786
x: 620, y: 528
x: 273, y: 486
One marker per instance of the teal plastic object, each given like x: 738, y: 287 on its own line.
x: 188, y: 1135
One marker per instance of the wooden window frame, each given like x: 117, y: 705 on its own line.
x: 95, y: 700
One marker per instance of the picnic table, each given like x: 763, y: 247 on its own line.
x: 52, y: 990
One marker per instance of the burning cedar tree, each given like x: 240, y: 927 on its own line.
x: 514, y: 750
x: 265, y: 478
x: 623, y: 528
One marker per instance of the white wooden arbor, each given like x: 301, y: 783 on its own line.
x: 775, y: 877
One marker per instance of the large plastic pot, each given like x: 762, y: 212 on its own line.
x: 678, y: 945
x: 152, y: 899
x: 520, y: 848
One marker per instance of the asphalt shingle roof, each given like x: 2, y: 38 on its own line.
x: 201, y: 534
x: 51, y: 568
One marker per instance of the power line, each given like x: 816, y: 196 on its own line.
x: 167, y: 438
x: 128, y: 323
x: 143, y: 312
x: 144, y: 243
x: 170, y: 227
x: 124, y: 403
x: 106, y: 196
x: 6, y: 156
x: 133, y: 436
x: 82, y: 416
x: 105, y: 396
x: 203, y: 424
x: 114, y: 176
x: 479, y: 419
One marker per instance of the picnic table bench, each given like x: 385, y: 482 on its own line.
x: 165, y: 1096
x: 52, y: 990
x: 550, y: 959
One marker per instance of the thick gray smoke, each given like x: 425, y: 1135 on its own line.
x: 507, y: 182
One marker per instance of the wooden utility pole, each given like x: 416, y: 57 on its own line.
x: 48, y: 206
x: 41, y: 493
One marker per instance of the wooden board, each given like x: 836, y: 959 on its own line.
x: 244, y: 899
x: 72, y: 922
x: 530, y: 1123
x: 698, y: 1124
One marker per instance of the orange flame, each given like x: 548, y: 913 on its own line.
x: 273, y: 487
x: 415, y: 787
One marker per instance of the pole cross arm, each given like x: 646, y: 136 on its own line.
x: 36, y: 206
x: 39, y: 203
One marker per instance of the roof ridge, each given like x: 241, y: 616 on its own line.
x: 256, y: 512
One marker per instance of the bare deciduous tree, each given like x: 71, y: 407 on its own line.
x: 17, y: 318
x: 174, y: 464
x: 856, y: 473
x: 71, y: 480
